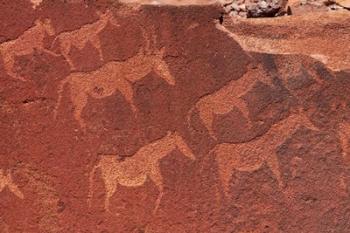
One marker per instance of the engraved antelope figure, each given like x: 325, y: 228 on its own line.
x: 87, y: 33
x: 114, y: 76
x: 252, y: 155
x: 6, y: 181
x: 133, y: 171
x: 25, y: 44
x: 228, y: 97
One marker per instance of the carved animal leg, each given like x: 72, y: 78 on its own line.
x: 225, y: 173
x: 111, y: 181
x: 51, y: 53
x: 242, y: 106
x: 70, y: 62
x: 162, y: 70
x: 272, y: 162
x: 79, y: 101
x: 344, y: 136
x: 206, y: 113
x: 126, y: 90
x: 13, y: 187
x: 9, y: 63
x: 65, y: 47
x: 156, y: 177
x: 91, y: 186
x: 111, y: 186
x: 96, y: 43
x: 225, y: 167
x: 183, y: 147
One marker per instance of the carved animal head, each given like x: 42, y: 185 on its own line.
x: 155, y: 57
x: 46, y: 26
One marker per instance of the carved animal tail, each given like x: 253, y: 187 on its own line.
x: 13, y: 187
x: 59, y: 99
x: 53, y: 43
x: 91, y: 179
x: 220, y: 196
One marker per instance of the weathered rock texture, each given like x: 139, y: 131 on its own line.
x: 157, y: 119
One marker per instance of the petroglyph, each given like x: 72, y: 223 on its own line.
x: 36, y: 3
x: 83, y: 35
x: 133, y: 171
x: 252, y: 155
x: 7, y: 182
x: 224, y: 100
x: 344, y: 135
x: 114, y: 76
x: 27, y: 43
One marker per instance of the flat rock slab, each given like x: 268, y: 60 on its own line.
x: 157, y: 119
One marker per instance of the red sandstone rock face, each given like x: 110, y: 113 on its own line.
x: 154, y: 119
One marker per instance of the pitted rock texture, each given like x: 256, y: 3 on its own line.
x: 157, y: 119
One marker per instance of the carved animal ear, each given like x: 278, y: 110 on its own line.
x: 162, y: 51
x: 38, y: 22
x: 100, y: 14
x: 48, y: 26
x: 168, y: 133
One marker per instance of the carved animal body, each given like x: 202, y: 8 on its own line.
x: 111, y: 77
x: 252, y: 155
x: 228, y: 97
x: 6, y: 181
x: 27, y: 43
x: 83, y: 35
x: 133, y: 171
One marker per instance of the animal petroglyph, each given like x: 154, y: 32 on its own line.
x: 252, y: 155
x: 133, y: 171
x: 114, y: 76
x: 6, y: 181
x: 228, y: 97
x: 27, y: 43
x: 36, y: 3
x: 83, y: 35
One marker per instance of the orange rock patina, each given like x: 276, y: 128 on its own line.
x: 158, y: 118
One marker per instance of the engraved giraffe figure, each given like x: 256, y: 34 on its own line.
x: 6, y: 181
x: 133, y: 171
x: 26, y: 44
x: 252, y: 155
x: 87, y: 33
x: 228, y: 97
x: 114, y: 76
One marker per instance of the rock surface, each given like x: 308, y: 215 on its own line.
x: 146, y: 118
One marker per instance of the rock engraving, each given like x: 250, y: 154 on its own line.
x: 252, y: 155
x: 344, y: 135
x: 80, y: 37
x: 27, y: 43
x: 133, y: 171
x: 228, y: 97
x: 6, y: 181
x: 114, y: 76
